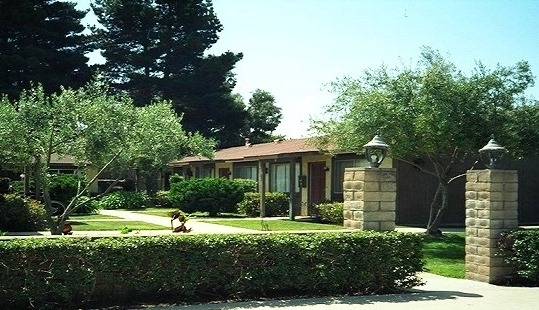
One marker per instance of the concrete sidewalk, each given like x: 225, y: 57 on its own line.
x: 437, y: 293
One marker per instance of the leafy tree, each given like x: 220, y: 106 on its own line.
x: 264, y: 117
x: 41, y: 41
x: 435, y: 111
x: 155, y: 49
x: 101, y: 132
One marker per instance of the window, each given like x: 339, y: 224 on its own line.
x: 280, y: 177
x: 206, y: 171
x: 246, y: 172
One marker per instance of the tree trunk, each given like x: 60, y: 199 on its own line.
x: 434, y: 221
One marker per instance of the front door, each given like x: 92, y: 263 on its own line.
x: 317, y: 182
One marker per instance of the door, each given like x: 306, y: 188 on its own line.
x: 317, y: 182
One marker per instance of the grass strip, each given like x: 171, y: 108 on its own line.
x: 113, y: 225
x: 273, y: 225
x: 445, y: 255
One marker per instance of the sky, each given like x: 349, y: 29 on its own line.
x: 294, y: 48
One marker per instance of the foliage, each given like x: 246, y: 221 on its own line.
x: 42, y: 41
x: 91, y: 126
x: 213, y: 195
x: 431, y: 111
x: 330, y: 212
x: 263, y: 117
x: 21, y: 214
x: 276, y: 204
x: 206, y: 267
x: 124, y: 200
x: 162, y: 200
x: 63, y: 187
x: 4, y: 185
x: 164, y: 56
x: 246, y: 185
x: 87, y: 206
x: 175, y: 178
x: 520, y: 249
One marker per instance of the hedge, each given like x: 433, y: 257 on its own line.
x: 520, y: 249
x: 70, y: 273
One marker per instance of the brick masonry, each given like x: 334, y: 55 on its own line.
x: 491, y: 208
x: 370, y: 198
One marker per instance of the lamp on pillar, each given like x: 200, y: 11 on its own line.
x: 376, y: 150
x: 491, y: 153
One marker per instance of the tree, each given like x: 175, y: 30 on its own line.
x: 264, y: 117
x: 99, y: 131
x: 156, y: 49
x: 435, y: 111
x: 41, y: 41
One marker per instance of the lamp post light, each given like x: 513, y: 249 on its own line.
x: 491, y: 153
x: 376, y: 151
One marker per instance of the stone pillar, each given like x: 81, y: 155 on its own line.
x: 491, y: 208
x: 369, y: 198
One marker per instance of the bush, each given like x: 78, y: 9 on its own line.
x: 162, y: 200
x: 206, y: 268
x: 21, y: 214
x: 276, y: 204
x: 246, y: 185
x: 63, y: 187
x: 87, y: 208
x: 212, y: 195
x: 330, y: 212
x: 124, y: 200
x: 520, y: 249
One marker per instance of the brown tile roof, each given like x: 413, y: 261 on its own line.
x: 271, y: 150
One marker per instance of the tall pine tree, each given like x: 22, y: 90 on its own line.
x: 41, y: 41
x: 155, y: 49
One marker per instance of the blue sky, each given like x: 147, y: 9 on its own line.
x: 292, y: 48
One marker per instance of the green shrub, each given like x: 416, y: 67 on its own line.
x: 247, y: 185
x: 199, y: 268
x: 21, y: 214
x: 63, y: 187
x: 124, y: 200
x: 276, y: 204
x: 330, y: 212
x: 162, y: 200
x: 212, y: 195
x: 87, y: 208
x: 175, y: 178
x: 520, y: 249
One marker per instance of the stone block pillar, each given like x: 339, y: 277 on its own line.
x: 369, y: 198
x: 491, y: 208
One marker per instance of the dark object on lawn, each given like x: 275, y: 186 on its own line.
x: 181, y: 218
x: 67, y: 229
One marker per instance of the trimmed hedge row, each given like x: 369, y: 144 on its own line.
x: 70, y: 273
x: 520, y: 249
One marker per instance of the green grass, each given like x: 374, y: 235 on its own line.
x: 273, y: 225
x: 444, y: 256
x: 91, y: 217
x: 113, y: 225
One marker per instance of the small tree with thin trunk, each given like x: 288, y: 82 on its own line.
x: 100, y: 132
x: 432, y: 111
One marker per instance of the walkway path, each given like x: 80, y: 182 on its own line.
x: 438, y: 293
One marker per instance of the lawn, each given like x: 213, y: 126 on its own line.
x: 98, y: 222
x: 444, y: 256
x: 272, y: 224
